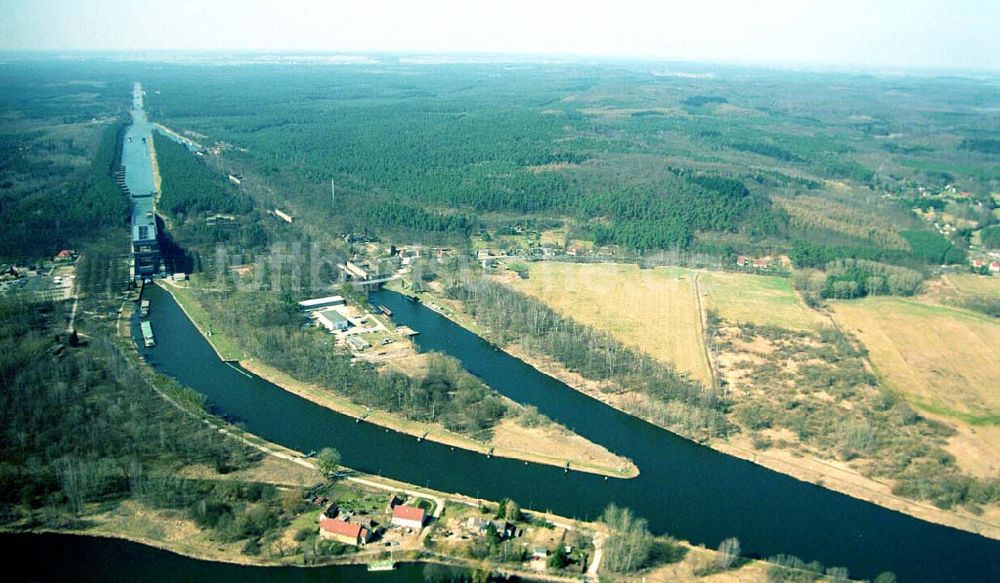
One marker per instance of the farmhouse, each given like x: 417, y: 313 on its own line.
x: 408, y: 516
x: 977, y: 263
x: 342, y: 531
x: 995, y: 267
x: 332, y: 320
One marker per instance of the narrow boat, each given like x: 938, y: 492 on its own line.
x: 386, y: 565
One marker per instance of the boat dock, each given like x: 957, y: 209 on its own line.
x: 406, y: 331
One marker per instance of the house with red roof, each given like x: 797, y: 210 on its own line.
x: 408, y: 516
x: 342, y: 531
x: 995, y: 267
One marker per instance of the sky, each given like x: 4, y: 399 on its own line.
x: 934, y: 34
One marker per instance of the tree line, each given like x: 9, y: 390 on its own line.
x: 856, y: 278
x: 269, y: 327
x: 510, y: 317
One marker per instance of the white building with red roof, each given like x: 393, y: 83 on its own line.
x: 342, y: 531
x: 408, y: 516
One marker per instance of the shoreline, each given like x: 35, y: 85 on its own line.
x: 419, y: 430
x: 840, y: 480
x: 241, y: 560
x: 826, y: 475
x: 288, y: 455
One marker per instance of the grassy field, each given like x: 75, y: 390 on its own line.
x: 976, y: 285
x: 942, y: 359
x: 653, y: 310
x: 757, y: 299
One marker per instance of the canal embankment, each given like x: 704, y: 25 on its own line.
x: 833, y: 476
x: 578, y: 454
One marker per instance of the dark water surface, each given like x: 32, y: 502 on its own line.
x: 684, y: 489
x: 84, y: 559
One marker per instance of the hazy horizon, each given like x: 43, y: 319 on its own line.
x: 892, y: 34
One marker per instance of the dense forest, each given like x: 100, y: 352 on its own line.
x: 190, y: 186
x: 448, y: 153
x: 51, y: 199
x: 991, y: 237
x: 59, y: 128
x: 984, y: 145
x: 83, y: 430
x: 444, y: 153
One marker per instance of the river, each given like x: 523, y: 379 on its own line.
x: 684, y: 489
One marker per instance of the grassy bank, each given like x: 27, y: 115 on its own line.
x: 224, y: 345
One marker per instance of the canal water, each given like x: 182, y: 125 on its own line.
x: 84, y: 559
x: 684, y: 489
x: 136, y: 156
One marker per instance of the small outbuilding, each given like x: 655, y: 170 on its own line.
x: 358, y: 343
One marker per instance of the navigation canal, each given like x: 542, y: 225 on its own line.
x: 82, y: 559
x: 684, y: 489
